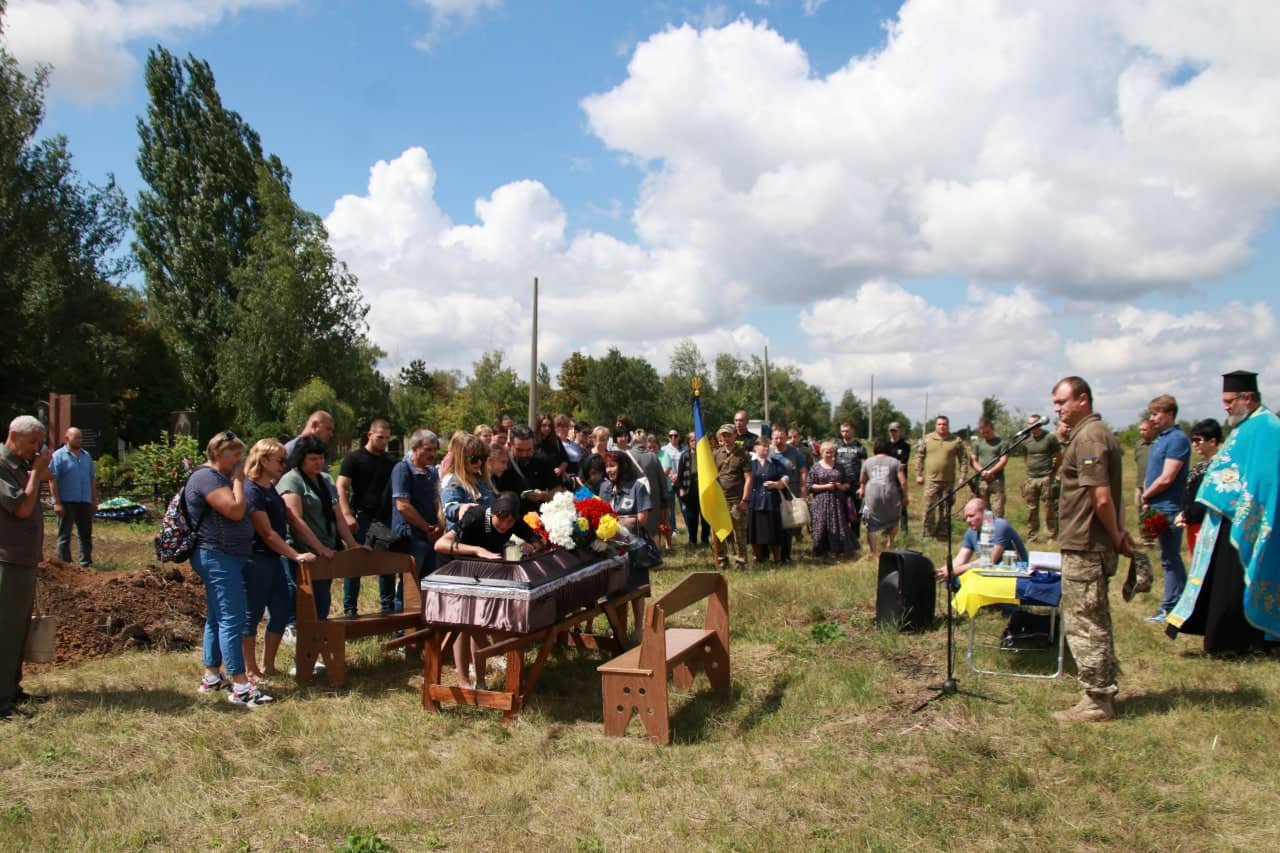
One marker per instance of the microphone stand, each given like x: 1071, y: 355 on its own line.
x: 950, y: 686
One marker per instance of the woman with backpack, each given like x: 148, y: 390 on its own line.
x: 223, y: 534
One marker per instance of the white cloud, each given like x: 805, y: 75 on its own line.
x: 1063, y: 158
x: 86, y: 41
x: 1063, y: 145
x: 448, y: 16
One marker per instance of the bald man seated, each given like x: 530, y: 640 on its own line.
x: 1004, y: 539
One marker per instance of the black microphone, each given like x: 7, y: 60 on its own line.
x: 1039, y: 423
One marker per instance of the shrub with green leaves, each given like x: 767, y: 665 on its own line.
x: 164, y: 465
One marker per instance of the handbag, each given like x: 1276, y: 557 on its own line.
x: 643, y: 552
x: 380, y: 537
x: 41, y: 636
x: 795, y: 511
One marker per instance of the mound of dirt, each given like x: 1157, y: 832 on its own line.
x: 99, y: 613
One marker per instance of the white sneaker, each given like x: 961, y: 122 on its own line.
x: 315, y: 670
x: 290, y: 636
x: 251, y: 698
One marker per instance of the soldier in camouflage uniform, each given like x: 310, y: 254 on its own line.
x: 937, y: 461
x: 985, y: 449
x: 1091, y: 535
x: 1044, y: 454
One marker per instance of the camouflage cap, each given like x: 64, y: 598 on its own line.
x: 726, y: 429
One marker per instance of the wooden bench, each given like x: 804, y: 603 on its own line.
x: 327, y: 639
x: 635, y: 682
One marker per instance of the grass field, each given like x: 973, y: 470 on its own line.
x: 816, y: 749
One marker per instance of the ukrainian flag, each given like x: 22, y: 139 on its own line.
x: 715, y: 509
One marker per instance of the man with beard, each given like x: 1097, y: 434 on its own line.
x: 1233, y: 587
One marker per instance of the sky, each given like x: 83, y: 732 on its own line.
x: 957, y: 198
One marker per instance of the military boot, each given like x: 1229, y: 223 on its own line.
x: 1090, y: 709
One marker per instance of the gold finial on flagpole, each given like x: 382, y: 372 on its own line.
x: 697, y: 386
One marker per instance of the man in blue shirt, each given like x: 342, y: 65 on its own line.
x: 415, y: 511
x: 75, y: 496
x: 1003, y: 539
x: 1163, y: 490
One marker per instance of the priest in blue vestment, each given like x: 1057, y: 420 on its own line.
x: 1232, y: 596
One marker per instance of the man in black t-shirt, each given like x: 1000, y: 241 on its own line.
x: 900, y: 449
x: 528, y: 475
x: 364, y: 497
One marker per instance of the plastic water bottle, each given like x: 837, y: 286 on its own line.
x: 987, y: 538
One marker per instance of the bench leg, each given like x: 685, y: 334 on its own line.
x: 682, y: 676
x: 305, y: 654
x: 716, y: 664
x: 624, y: 695
x: 334, y: 650
x: 618, y: 705
x: 431, y: 654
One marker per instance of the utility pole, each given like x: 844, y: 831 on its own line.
x: 871, y: 413
x: 533, y: 362
x: 766, y: 389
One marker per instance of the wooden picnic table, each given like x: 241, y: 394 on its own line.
x: 437, y: 641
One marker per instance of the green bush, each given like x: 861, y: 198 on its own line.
x: 164, y: 465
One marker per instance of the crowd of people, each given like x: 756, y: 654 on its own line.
x: 260, y: 511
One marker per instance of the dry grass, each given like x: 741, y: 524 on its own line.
x: 815, y: 749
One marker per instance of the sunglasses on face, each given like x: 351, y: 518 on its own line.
x: 475, y: 459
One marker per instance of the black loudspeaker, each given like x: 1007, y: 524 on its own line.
x: 907, y: 591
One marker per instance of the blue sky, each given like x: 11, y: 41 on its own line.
x: 958, y: 199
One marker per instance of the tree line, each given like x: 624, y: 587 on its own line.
x: 228, y: 300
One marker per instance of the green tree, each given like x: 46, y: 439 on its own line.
x: 69, y: 328
x: 792, y: 401
x: 315, y: 394
x: 298, y: 313
x: 886, y: 413
x: 194, y: 222
x: 853, y: 409
x: 492, y: 390
x: 619, y: 384
x: 677, y: 390
x: 572, y: 379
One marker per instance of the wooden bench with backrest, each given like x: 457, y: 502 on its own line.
x: 635, y: 682
x: 327, y: 639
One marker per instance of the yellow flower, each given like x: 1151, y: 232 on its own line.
x: 608, y: 527
x: 531, y: 519
x: 583, y: 524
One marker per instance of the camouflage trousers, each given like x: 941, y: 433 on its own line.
x: 934, y: 520
x: 992, y: 491
x: 737, y: 541
x: 1086, y: 618
x: 1041, y: 491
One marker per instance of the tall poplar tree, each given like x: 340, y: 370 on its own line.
x: 299, y: 312
x: 195, y: 220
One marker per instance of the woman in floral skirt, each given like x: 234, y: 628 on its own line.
x: 829, y: 511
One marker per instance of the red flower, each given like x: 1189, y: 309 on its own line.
x: 593, y: 509
x: 1154, y: 523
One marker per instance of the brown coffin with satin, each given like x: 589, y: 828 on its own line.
x: 521, y: 595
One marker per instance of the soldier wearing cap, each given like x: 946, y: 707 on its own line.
x: 733, y: 473
x: 900, y: 449
x: 1090, y: 536
x: 1232, y: 594
x: 1044, y: 455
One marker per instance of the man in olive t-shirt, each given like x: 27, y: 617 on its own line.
x: 987, y: 448
x: 1044, y: 454
x: 941, y: 460
x: 1091, y: 534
